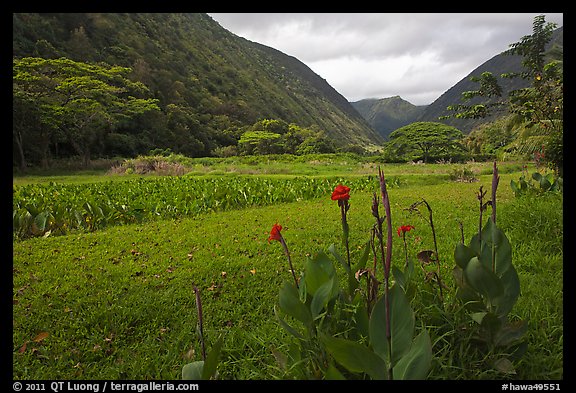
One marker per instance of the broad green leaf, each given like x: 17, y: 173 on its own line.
x: 290, y: 303
x: 511, y: 284
x: 537, y: 176
x: 355, y: 357
x: 339, y: 258
x: 510, y: 333
x: 193, y: 371
x: 497, y: 242
x: 364, y: 258
x: 416, y: 363
x: 478, y: 316
x: 323, y: 295
x: 401, y: 325
x: 483, y: 280
x: 209, y: 369
x: 318, y: 271
x: 333, y: 374
x: 286, y: 326
x: 463, y: 255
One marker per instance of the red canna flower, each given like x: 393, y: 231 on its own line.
x: 275, y: 233
x: 341, y: 193
x: 404, y: 228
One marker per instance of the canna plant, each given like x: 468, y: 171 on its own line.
x: 488, y: 285
x: 347, y: 333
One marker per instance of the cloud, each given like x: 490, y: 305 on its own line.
x: 416, y: 56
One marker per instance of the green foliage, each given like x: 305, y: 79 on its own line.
x: 75, y: 100
x: 489, y: 286
x: 204, y: 369
x: 116, y: 303
x: 544, y: 183
x: 208, y: 84
x: 540, y: 104
x: 427, y: 141
x: 55, y: 209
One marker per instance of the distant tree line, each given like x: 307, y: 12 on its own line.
x: 64, y: 108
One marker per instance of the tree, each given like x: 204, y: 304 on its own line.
x: 541, y: 105
x: 426, y: 141
x: 83, y: 101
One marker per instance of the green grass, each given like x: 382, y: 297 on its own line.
x: 118, y: 303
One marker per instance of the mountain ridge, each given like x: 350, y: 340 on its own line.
x: 388, y: 114
x: 386, y: 119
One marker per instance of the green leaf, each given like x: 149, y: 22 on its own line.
x: 510, y: 333
x: 478, y: 316
x: 323, y: 295
x: 193, y: 371
x: 339, y: 258
x: 483, y: 280
x: 497, y: 242
x: 463, y: 255
x: 511, y: 284
x: 416, y: 363
x: 401, y: 326
x: 211, y: 363
x: 286, y: 326
x: 333, y: 374
x: 364, y: 258
x: 318, y: 271
x: 355, y: 357
x: 290, y: 303
x: 504, y: 365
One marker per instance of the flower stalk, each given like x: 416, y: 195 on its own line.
x: 387, y: 262
x: 342, y: 194
x: 276, y: 235
x: 200, y: 321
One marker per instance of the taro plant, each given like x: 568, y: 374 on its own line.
x: 488, y: 285
x: 348, y: 333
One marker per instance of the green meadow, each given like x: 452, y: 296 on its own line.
x: 105, y: 291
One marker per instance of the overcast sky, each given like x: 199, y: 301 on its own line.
x: 415, y: 56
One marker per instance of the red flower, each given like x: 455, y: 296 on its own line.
x: 404, y: 228
x: 275, y: 233
x: 341, y: 193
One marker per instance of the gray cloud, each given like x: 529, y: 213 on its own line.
x: 416, y: 56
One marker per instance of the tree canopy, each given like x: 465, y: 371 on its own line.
x: 73, y: 102
x: 541, y: 105
x: 425, y: 141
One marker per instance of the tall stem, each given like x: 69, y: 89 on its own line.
x: 285, y: 246
x: 343, y: 208
x: 495, y: 180
x: 200, y: 322
x: 388, y: 260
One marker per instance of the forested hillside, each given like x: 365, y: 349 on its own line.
x: 210, y: 85
x: 388, y: 114
x: 498, y: 65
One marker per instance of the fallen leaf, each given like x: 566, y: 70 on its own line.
x: 253, y: 271
x: 23, y: 348
x: 40, y: 337
x: 223, y: 274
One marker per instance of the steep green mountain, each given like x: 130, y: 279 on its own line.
x: 210, y: 82
x: 499, y: 64
x: 388, y: 114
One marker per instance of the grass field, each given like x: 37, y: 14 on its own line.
x: 117, y: 303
